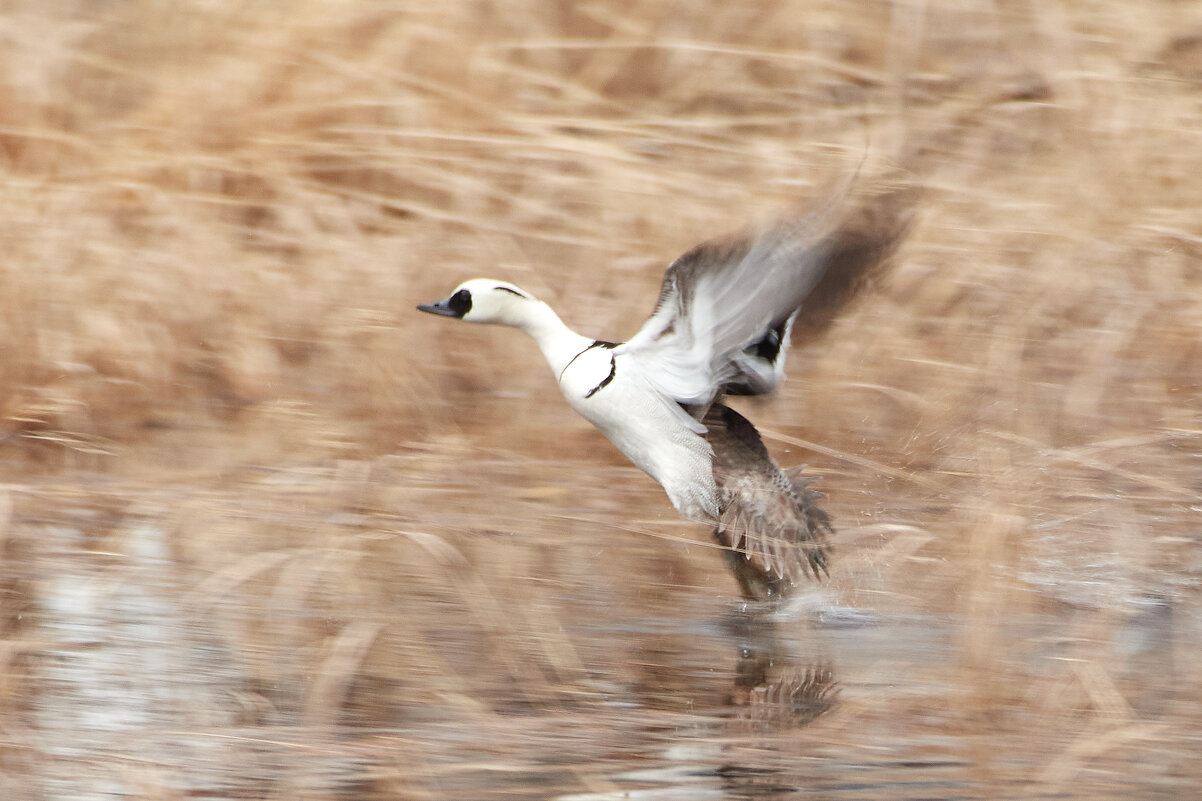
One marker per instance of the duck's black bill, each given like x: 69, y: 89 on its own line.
x: 457, y: 305
x: 442, y: 307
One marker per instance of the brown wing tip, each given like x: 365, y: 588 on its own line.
x: 874, y: 219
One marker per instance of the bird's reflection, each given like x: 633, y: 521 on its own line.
x: 774, y: 689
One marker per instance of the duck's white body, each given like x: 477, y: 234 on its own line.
x: 606, y: 387
x: 654, y: 432
x: 722, y: 325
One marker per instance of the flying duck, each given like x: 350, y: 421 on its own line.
x: 722, y: 326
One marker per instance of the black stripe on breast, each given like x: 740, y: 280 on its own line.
x: 613, y: 369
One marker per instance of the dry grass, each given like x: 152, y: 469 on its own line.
x: 217, y: 219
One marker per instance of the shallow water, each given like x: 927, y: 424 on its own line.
x: 147, y: 678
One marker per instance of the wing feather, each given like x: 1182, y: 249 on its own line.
x: 768, y: 519
x: 722, y: 298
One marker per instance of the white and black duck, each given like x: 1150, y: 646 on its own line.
x: 721, y: 327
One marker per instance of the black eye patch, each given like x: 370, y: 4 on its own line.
x: 460, y: 303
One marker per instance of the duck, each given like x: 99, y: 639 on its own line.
x: 727, y: 312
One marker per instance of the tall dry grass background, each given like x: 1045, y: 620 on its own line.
x: 315, y: 533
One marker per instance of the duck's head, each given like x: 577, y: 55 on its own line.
x: 483, y: 300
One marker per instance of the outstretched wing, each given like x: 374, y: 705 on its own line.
x: 726, y: 308
x: 717, y: 301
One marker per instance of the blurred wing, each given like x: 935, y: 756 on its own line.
x: 768, y: 519
x: 726, y: 309
x: 721, y: 299
x: 778, y: 534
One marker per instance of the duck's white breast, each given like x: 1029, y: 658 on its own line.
x: 653, y: 431
x: 588, y: 373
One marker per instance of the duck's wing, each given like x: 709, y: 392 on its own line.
x: 769, y: 520
x: 726, y: 308
x: 717, y: 302
x: 776, y: 536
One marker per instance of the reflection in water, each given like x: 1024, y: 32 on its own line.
x: 772, y: 691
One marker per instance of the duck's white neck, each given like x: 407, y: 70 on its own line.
x: 558, y: 343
